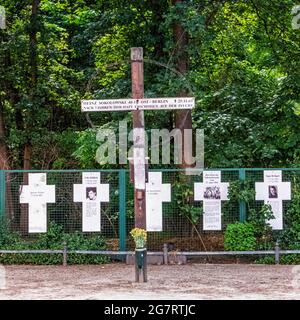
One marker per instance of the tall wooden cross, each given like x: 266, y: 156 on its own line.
x: 137, y: 105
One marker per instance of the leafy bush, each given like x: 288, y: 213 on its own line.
x: 241, y: 190
x: 54, y: 239
x: 239, y: 237
x: 290, y: 236
x: 284, y: 259
x: 266, y: 260
x: 290, y: 259
x: 183, y: 195
x: 6, y: 237
x: 263, y: 231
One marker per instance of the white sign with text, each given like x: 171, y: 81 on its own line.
x: 37, y: 194
x: 273, y: 191
x: 156, y: 193
x: 91, y: 193
x: 212, y: 192
x: 137, y: 104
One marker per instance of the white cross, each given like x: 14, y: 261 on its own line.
x: 37, y: 194
x: 156, y: 193
x: 212, y: 192
x: 273, y: 191
x: 91, y: 193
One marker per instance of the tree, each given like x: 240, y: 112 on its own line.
x: 239, y: 59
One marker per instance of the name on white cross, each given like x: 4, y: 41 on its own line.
x: 273, y: 191
x: 91, y: 193
x: 156, y: 194
x: 212, y: 192
x: 37, y: 194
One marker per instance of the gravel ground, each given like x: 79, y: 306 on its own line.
x: 171, y: 282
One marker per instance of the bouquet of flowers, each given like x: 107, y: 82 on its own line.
x: 139, y: 236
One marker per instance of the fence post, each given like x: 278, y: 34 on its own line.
x: 242, y: 205
x: 2, y: 193
x: 122, y: 210
x: 65, y: 254
x: 165, y: 251
x: 277, y: 253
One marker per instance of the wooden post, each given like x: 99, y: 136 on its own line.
x: 138, y: 162
x: 65, y: 254
x: 139, y: 159
x: 137, y: 79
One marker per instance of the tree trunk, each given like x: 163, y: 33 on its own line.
x: 4, y: 159
x: 33, y: 68
x: 33, y: 44
x: 5, y: 165
x: 183, y: 118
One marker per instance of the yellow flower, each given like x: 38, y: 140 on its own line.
x: 139, y: 236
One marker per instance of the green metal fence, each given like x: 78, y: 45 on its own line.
x: 182, y: 217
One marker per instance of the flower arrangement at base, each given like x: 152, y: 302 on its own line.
x: 139, y: 236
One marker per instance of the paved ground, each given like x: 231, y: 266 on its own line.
x: 172, y: 282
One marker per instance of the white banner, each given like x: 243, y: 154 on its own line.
x: 137, y: 104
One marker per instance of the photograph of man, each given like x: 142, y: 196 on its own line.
x: 273, y: 192
x: 91, y: 193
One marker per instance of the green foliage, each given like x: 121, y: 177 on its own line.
x: 263, y: 231
x: 266, y: 260
x: 54, y: 239
x: 290, y: 236
x: 284, y: 259
x: 243, y: 59
x: 259, y: 219
x: 239, y: 237
x: 290, y: 259
x: 241, y: 190
x: 7, y: 238
x: 87, y: 147
x: 245, y: 70
x: 183, y: 198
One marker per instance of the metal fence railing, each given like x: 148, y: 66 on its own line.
x: 182, y: 229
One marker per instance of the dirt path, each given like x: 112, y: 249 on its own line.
x: 178, y: 282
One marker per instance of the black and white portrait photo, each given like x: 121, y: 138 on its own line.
x: 212, y: 193
x: 273, y: 192
x: 91, y: 193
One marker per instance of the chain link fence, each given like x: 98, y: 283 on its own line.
x: 183, y: 228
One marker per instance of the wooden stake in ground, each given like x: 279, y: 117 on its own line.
x: 137, y: 104
x: 137, y: 80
